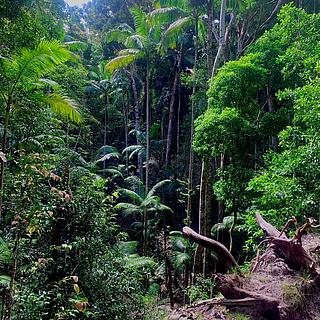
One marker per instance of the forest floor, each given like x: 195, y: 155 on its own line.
x: 298, y: 298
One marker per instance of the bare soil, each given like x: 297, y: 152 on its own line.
x: 296, y: 292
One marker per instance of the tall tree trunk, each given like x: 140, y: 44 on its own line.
x: 222, y: 31
x: 136, y: 120
x: 126, y: 127
x: 178, y: 123
x: 147, y: 128
x: 221, y: 204
x: 191, y: 153
x: 205, y: 184
x: 172, y: 117
x: 105, y: 128
x: 209, y: 37
x: 9, y: 296
x: 4, y: 151
x: 145, y: 216
x: 273, y: 144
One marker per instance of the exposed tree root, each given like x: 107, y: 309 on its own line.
x: 213, y: 245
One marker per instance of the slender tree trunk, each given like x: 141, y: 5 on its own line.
x: 126, y: 127
x: 4, y: 151
x: 147, y: 128
x: 145, y: 217
x: 9, y: 298
x: 186, y: 281
x: 273, y: 144
x: 137, y: 120
x: 191, y: 153
x: 221, y: 204
x: 105, y: 119
x: 205, y: 184
x: 235, y: 216
x: 105, y: 128
x: 178, y: 123
x: 171, y: 110
x: 209, y: 37
x: 222, y: 31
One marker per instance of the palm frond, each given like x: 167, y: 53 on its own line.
x: 182, y: 4
x: 151, y: 201
x: 119, y: 34
x: 63, y: 106
x: 137, y: 41
x: 121, y: 62
x: 32, y: 64
x: 114, y: 173
x: 130, y: 194
x: 141, y: 21
x: 127, y: 247
x: 181, y: 259
x: 5, y: 253
x: 76, y: 45
x: 135, y: 184
x: 166, y: 15
x: 5, y: 281
x: 162, y: 207
x: 127, y: 209
x: 158, y: 186
x: 137, y: 262
x: 171, y: 35
x: 125, y: 52
x: 108, y: 156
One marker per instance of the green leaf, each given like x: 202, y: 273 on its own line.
x: 63, y: 106
x: 121, y: 62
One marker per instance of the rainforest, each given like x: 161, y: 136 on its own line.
x: 159, y: 159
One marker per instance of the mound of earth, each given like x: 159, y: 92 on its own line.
x: 284, y: 282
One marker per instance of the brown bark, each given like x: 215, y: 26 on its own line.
x: 268, y: 228
x: 191, y: 152
x: 147, y: 127
x: 170, y: 134
x: 4, y: 151
x: 137, y: 119
x: 213, y: 245
x: 291, y: 249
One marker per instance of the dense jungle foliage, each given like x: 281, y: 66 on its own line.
x: 123, y: 121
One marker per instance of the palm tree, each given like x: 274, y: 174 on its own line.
x: 21, y: 75
x: 143, y: 204
x: 186, y: 15
x: 140, y: 44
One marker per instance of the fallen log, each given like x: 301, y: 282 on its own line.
x: 268, y: 228
x: 222, y: 252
